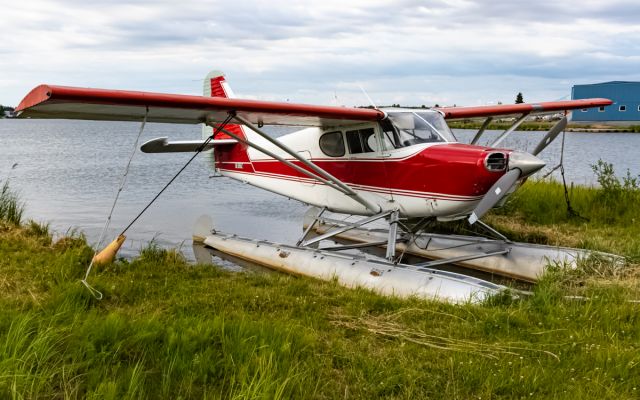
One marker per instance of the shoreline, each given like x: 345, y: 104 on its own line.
x: 167, y: 328
x: 545, y: 126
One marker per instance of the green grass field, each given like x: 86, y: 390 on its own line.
x: 608, y: 217
x: 167, y: 329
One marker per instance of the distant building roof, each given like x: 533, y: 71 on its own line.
x: 608, y: 83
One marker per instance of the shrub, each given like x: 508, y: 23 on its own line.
x: 613, y: 188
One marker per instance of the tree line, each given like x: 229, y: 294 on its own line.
x: 519, y: 100
x: 3, y: 109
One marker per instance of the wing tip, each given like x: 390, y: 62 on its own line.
x: 36, y: 96
x: 604, y: 102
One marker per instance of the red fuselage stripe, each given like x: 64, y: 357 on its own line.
x: 381, y: 190
x: 455, y: 171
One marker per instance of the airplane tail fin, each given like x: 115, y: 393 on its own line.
x: 215, y: 85
x: 233, y: 157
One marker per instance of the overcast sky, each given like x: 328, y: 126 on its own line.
x: 462, y: 52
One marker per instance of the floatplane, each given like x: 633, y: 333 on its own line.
x: 401, y: 167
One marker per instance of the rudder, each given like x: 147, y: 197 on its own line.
x: 234, y: 157
x: 215, y: 85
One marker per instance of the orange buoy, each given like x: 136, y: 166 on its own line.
x: 108, y: 254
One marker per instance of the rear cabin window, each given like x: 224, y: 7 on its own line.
x: 332, y: 144
x: 362, y: 141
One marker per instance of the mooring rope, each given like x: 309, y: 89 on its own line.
x: 95, y: 292
x: 198, y: 151
x: 570, y: 210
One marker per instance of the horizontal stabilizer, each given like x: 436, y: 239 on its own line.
x: 163, y: 145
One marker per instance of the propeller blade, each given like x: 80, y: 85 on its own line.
x: 495, y: 194
x: 550, y: 136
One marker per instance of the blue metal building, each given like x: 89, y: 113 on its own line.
x: 625, y: 107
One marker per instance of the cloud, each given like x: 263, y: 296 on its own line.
x: 408, y: 51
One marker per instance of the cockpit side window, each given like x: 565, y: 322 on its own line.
x: 332, y: 144
x: 354, y: 142
x: 389, y: 134
x: 362, y: 141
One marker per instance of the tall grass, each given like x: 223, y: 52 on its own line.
x: 543, y: 202
x: 11, y: 208
x: 606, y: 218
x: 168, y: 329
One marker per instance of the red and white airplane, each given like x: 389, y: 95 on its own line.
x: 369, y: 162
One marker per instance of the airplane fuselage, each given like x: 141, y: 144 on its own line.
x: 437, y: 177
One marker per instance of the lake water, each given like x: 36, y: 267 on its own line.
x: 67, y: 173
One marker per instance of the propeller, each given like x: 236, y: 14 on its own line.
x: 495, y: 194
x: 521, y: 165
x: 550, y: 136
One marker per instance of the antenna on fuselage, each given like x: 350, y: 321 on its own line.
x: 367, y: 95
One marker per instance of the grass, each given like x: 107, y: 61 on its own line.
x: 605, y: 218
x: 537, y: 213
x: 168, y: 329
x: 11, y: 208
x: 608, y: 220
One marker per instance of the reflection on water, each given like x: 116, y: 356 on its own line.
x: 68, y: 172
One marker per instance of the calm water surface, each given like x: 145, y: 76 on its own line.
x: 67, y: 173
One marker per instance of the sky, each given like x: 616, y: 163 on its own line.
x: 410, y: 52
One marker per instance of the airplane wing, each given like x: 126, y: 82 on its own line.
x: 63, y: 102
x: 524, y: 108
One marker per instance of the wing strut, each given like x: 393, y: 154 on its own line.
x: 481, y: 130
x: 510, y: 130
x: 551, y: 135
x: 321, y: 172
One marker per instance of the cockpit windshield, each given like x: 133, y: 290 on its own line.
x: 409, y: 128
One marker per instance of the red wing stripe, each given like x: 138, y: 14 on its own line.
x: 508, y: 109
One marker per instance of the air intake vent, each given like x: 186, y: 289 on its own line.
x: 496, y: 162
